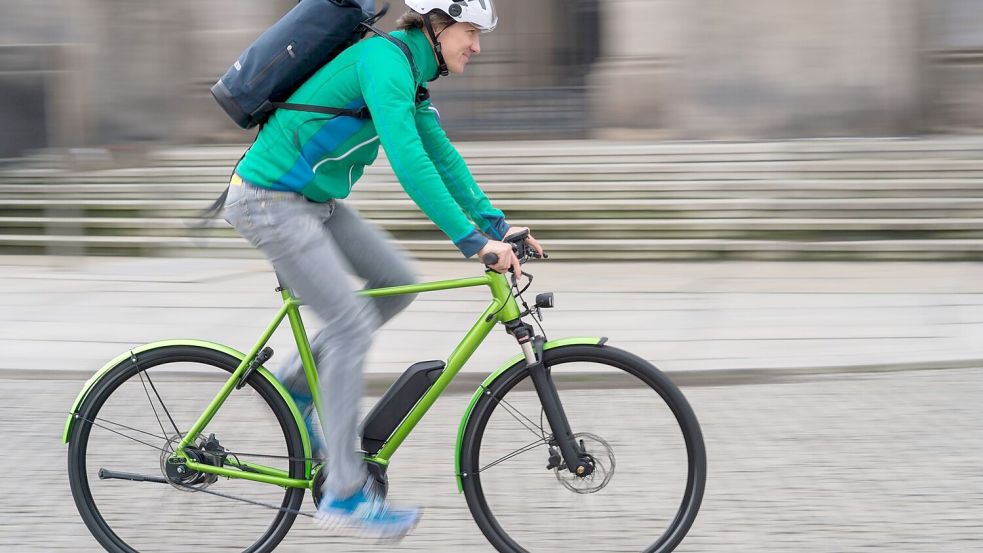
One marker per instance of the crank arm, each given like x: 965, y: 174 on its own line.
x: 106, y: 474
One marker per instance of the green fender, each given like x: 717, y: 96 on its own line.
x: 589, y: 341
x: 197, y: 343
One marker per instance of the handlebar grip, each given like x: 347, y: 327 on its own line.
x: 489, y: 258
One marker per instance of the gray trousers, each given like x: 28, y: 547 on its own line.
x: 314, y: 247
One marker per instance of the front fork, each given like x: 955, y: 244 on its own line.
x: 574, y: 457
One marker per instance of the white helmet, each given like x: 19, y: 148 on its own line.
x: 480, y: 13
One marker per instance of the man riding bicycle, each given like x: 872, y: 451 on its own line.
x: 285, y: 199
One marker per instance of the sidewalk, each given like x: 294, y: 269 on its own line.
x: 703, y: 322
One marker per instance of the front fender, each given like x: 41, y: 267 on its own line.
x: 589, y: 341
x: 197, y: 343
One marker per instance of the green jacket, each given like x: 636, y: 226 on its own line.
x: 322, y: 157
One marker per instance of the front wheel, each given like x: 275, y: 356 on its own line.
x: 646, y: 448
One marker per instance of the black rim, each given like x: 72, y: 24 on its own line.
x: 126, y: 371
x: 631, y: 364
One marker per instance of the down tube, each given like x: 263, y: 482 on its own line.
x: 455, y: 363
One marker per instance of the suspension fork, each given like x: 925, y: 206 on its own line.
x: 532, y: 346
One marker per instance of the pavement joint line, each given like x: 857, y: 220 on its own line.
x: 377, y: 383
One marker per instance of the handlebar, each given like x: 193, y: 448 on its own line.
x: 489, y: 259
x: 522, y: 249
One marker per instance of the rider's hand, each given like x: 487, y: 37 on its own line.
x: 506, y: 257
x: 529, y: 239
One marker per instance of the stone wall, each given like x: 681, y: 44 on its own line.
x: 762, y: 68
x: 110, y: 71
x: 956, y: 59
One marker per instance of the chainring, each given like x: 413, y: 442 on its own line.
x: 377, y: 473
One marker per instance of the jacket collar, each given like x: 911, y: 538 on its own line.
x: 423, y: 56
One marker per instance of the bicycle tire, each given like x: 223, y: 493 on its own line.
x: 554, y: 359
x: 199, y: 357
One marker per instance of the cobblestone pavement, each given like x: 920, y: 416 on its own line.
x: 888, y: 461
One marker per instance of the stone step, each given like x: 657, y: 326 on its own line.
x: 521, y: 151
x: 571, y: 249
x: 600, y: 150
x: 565, y: 212
x: 381, y: 188
x: 145, y: 225
x: 585, y: 169
x: 906, y: 199
x: 558, y: 209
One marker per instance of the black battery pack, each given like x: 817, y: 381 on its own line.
x: 397, y: 402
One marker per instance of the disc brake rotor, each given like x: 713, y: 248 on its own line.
x: 602, y: 457
x: 178, y: 474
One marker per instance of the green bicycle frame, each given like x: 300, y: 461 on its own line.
x: 502, y: 308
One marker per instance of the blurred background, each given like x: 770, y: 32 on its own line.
x: 656, y: 129
x: 792, y: 190
x: 77, y: 73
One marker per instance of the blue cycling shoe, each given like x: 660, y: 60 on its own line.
x: 305, y: 404
x: 366, y: 514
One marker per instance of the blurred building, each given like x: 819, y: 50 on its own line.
x: 96, y: 72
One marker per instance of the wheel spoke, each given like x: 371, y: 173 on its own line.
x: 94, y: 423
x: 140, y: 373
x: 531, y: 426
x: 520, y: 451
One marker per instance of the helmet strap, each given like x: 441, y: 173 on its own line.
x: 441, y: 64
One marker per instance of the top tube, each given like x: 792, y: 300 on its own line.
x: 499, y: 284
x: 426, y: 287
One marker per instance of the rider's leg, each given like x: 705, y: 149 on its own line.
x: 373, y: 256
x: 290, y: 231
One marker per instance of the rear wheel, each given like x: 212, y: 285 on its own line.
x: 129, y: 424
x: 646, y: 448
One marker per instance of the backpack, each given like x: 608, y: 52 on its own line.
x: 285, y: 55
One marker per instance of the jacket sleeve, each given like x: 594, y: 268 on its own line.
x: 389, y: 91
x: 456, y: 175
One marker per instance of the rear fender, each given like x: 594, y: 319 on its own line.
x: 122, y: 358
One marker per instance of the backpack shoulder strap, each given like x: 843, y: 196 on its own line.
x: 360, y: 113
x: 422, y: 94
x: 399, y: 44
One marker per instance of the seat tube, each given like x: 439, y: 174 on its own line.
x: 303, y: 346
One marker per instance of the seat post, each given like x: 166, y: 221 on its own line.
x: 284, y: 291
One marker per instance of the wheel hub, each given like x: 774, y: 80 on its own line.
x: 594, y: 473
x: 175, y: 468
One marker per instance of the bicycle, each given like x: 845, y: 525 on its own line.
x: 501, y: 473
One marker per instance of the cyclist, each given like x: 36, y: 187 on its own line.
x: 285, y: 199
